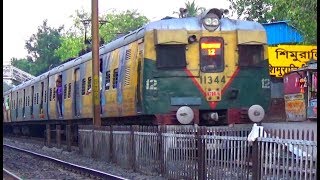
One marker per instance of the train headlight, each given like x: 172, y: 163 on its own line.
x: 185, y: 115
x: 256, y: 113
x: 211, y: 21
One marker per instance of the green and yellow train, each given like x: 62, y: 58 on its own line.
x: 196, y: 70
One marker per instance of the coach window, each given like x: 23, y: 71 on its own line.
x: 107, y: 83
x: 171, y: 56
x: 83, y: 86
x: 115, y: 78
x: 89, y: 85
x: 50, y: 94
x: 250, y: 55
x: 45, y: 96
x: 65, y: 91
x: 69, y: 90
x: 212, y: 54
x: 54, y: 93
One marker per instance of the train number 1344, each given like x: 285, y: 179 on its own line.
x: 212, y: 79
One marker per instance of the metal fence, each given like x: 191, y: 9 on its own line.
x: 288, y: 154
x: 191, y: 152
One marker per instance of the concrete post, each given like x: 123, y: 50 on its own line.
x: 58, y: 136
x: 48, y: 130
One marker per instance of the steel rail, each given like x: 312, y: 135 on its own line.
x: 87, y: 170
x: 10, y: 175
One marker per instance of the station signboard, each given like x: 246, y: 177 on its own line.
x: 285, y: 58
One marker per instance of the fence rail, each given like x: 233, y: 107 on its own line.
x: 190, y: 152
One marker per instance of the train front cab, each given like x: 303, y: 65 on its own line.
x: 205, y: 77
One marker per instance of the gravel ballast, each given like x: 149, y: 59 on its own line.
x: 27, y: 166
x: 73, y: 157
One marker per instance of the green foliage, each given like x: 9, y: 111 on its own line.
x: 302, y: 14
x: 117, y: 23
x: 70, y: 47
x: 41, y: 49
x: 78, y: 27
x: 192, y: 9
x: 121, y: 23
x: 24, y: 64
x: 252, y: 10
x: 48, y: 47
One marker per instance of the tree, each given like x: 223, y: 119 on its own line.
x: 117, y: 23
x: 192, y: 9
x: 70, y: 47
x: 121, y: 23
x: 302, y: 14
x: 72, y: 41
x: 41, y: 47
x: 24, y: 64
x: 252, y: 10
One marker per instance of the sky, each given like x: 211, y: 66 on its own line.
x: 21, y: 18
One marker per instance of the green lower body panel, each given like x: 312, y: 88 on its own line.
x: 165, y: 92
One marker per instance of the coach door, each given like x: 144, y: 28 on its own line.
x: 17, y: 105
x: 41, y: 101
x: 77, y: 95
x: 139, y: 70
x: 24, y: 104
x: 32, y: 102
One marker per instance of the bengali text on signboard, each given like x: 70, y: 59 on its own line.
x: 285, y: 58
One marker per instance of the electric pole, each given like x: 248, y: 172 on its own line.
x: 95, y: 64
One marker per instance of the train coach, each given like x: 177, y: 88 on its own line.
x: 202, y: 70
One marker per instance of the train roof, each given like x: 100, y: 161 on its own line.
x: 189, y: 24
x: 17, y: 87
x: 31, y: 81
x: 194, y: 24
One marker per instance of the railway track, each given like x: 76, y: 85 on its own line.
x: 90, y: 173
x: 7, y: 175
